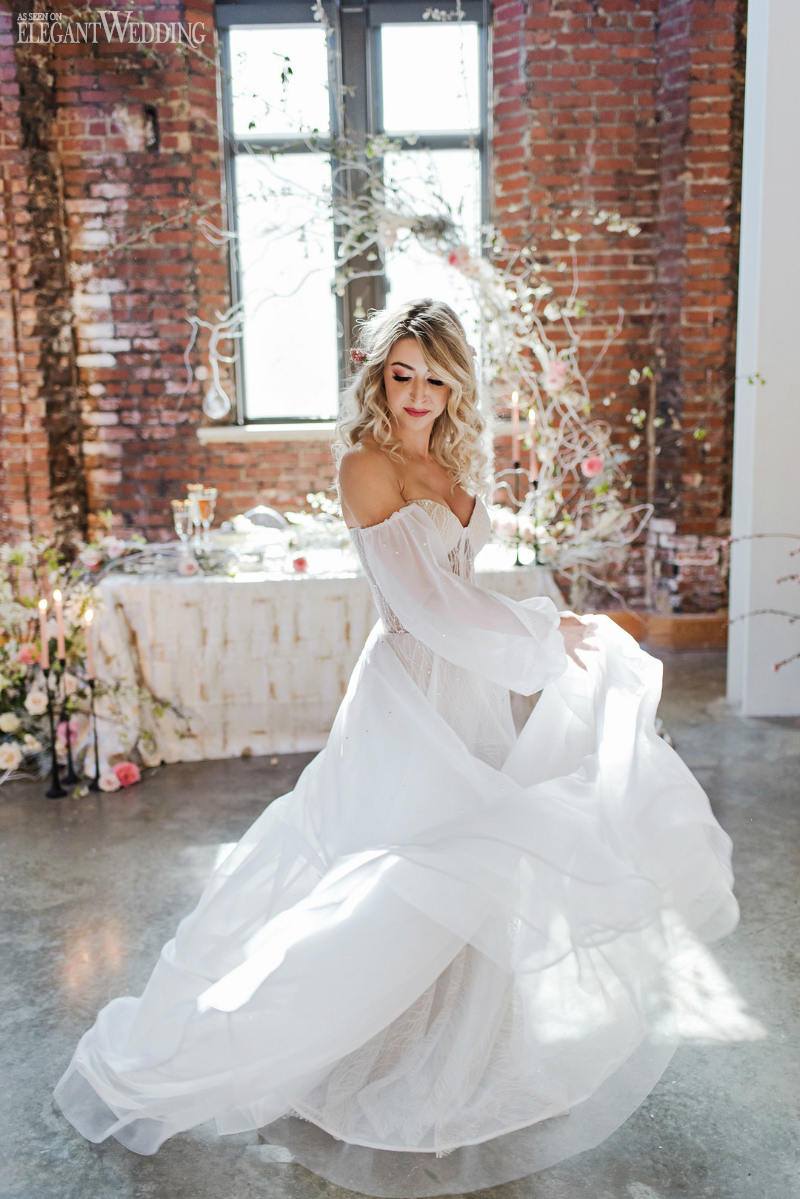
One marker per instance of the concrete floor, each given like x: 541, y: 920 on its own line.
x: 92, y: 888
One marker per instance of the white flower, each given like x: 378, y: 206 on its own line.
x: 9, y: 723
x: 10, y: 755
x: 91, y: 557
x: 527, y: 529
x: 32, y: 744
x: 387, y: 236
x: 114, y: 546
x: 69, y: 683
x: 109, y: 781
x: 504, y: 523
x: 36, y: 702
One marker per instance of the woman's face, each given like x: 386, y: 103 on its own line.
x: 415, y: 396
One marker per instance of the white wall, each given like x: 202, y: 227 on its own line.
x: 766, y: 451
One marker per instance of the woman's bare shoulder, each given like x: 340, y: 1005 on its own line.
x: 368, y: 485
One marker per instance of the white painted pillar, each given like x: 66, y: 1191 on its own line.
x: 766, y: 446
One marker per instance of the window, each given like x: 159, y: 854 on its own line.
x: 420, y: 81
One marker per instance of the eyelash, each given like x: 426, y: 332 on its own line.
x: 405, y: 379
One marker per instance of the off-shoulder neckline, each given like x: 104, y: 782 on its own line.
x: 420, y: 500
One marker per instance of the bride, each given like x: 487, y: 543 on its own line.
x: 452, y: 955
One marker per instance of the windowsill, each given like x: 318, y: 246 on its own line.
x: 224, y: 434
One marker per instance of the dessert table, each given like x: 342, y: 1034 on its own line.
x: 257, y: 663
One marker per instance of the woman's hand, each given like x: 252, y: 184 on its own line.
x: 576, y: 633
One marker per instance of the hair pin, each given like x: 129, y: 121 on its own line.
x: 358, y: 357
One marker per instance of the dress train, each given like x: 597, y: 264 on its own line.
x: 448, y: 957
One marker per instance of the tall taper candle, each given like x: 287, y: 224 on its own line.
x: 44, y: 657
x: 61, y: 651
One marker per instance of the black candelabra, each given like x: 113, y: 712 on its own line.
x: 70, y: 776
x: 94, y: 784
x: 532, y: 486
x: 56, y: 791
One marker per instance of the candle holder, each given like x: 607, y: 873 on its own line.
x: 532, y: 485
x: 533, y: 494
x: 70, y: 776
x: 56, y: 791
x: 517, y: 468
x: 94, y: 784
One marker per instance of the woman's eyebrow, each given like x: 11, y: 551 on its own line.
x: 405, y: 364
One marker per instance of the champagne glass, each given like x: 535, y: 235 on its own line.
x: 182, y: 520
x: 193, y: 492
x: 206, y: 500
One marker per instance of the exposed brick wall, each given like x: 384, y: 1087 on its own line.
x: 43, y: 478
x: 638, y: 108
x: 139, y: 141
x: 700, y: 90
x: 633, y: 106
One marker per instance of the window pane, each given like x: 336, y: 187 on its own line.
x: 426, y: 178
x: 286, y: 255
x: 430, y: 77
x: 279, y: 80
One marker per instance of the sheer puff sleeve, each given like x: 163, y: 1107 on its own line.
x: 515, y: 643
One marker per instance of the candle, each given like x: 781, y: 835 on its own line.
x: 515, y: 427
x: 88, y: 617
x: 44, y: 658
x: 533, y: 466
x: 60, y: 647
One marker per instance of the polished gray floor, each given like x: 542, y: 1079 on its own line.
x: 91, y: 889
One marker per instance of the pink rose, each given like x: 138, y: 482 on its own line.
x: 90, y: 557
x: 459, y: 258
x: 187, y: 566
x: 27, y: 653
x: 527, y: 529
x: 74, y: 729
x: 555, y: 376
x: 592, y: 466
x: 109, y: 781
x: 300, y: 564
x: 127, y: 773
x: 114, y: 546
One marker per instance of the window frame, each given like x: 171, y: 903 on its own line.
x: 353, y: 62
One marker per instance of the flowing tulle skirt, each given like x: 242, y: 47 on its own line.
x: 433, y: 966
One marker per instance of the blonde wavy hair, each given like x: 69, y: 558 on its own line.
x: 459, y: 432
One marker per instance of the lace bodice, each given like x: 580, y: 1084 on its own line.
x: 461, y: 543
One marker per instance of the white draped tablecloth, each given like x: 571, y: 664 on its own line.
x: 258, y: 663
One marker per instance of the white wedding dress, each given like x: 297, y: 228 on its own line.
x: 448, y: 957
